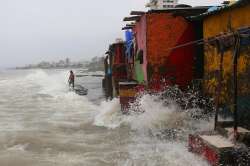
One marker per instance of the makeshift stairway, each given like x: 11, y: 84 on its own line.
x: 219, y: 147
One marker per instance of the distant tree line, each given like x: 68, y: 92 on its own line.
x: 95, y: 64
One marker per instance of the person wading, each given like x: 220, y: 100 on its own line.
x: 71, y: 79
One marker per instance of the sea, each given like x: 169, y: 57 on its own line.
x: 43, y: 123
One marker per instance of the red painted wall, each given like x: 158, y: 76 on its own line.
x: 119, y: 72
x: 119, y: 63
x: 165, y: 31
x: 141, y: 39
x: 119, y: 54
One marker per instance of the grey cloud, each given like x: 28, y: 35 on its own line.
x: 35, y: 30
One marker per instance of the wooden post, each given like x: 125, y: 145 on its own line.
x: 219, y: 89
x: 235, y: 78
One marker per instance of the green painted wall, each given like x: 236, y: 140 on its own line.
x: 139, y: 72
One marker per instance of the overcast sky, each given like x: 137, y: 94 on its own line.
x: 35, y: 30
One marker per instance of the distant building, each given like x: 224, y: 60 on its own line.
x: 67, y: 61
x: 161, y: 4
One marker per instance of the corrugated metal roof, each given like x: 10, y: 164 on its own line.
x: 219, y: 9
x: 202, y: 8
x: 184, y: 12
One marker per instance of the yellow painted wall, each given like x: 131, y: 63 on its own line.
x: 214, y: 25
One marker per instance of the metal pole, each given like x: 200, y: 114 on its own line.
x: 219, y: 90
x: 235, y: 68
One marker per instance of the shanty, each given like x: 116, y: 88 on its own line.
x: 204, y: 48
x: 125, y: 83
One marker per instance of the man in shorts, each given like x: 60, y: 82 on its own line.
x: 71, y: 79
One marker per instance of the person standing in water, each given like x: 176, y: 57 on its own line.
x: 71, y: 79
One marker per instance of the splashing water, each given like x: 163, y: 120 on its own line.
x: 44, y: 124
x: 158, y: 130
x: 110, y: 115
x: 150, y: 113
x: 49, y: 84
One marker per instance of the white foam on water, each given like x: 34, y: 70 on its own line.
x: 39, y: 96
x: 48, y: 125
x: 19, y: 147
x: 154, y: 153
x: 154, y: 115
x: 109, y: 114
x: 152, y: 145
x: 53, y: 84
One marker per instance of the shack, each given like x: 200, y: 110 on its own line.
x: 158, y: 62
x: 226, y: 32
x: 107, y: 81
x: 115, y: 68
x: 227, y: 20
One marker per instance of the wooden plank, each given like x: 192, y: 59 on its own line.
x: 130, y: 25
x: 243, y: 134
x: 240, y: 130
x: 133, y: 18
x: 137, y: 13
x: 127, y: 27
x: 217, y: 141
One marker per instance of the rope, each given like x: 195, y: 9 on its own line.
x: 204, y: 41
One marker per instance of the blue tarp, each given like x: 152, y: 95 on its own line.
x: 213, y: 8
x: 129, y: 42
x: 128, y: 35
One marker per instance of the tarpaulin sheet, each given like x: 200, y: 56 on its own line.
x: 129, y: 42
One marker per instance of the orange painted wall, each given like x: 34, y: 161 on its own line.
x: 166, y: 31
x: 163, y: 32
